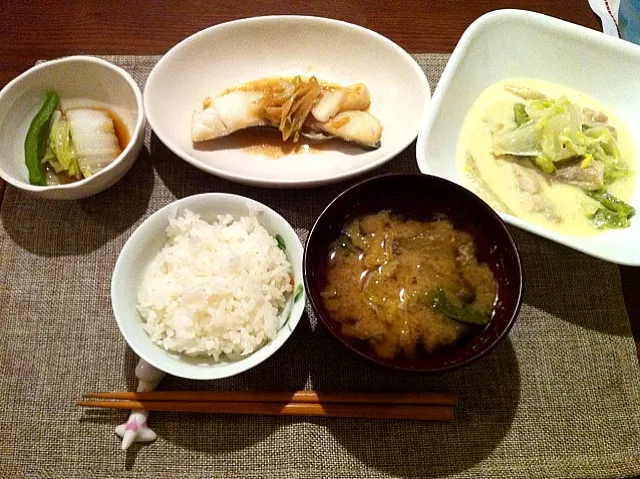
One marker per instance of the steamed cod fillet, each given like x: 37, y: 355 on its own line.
x: 233, y: 111
x: 353, y: 126
x: 295, y: 106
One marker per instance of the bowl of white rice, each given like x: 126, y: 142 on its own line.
x: 209, y: 286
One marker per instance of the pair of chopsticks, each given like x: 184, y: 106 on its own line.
x: 420, y: 406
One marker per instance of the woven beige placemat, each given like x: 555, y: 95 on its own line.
x: 559, y: 398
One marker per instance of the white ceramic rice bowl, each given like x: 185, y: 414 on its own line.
x: 144, y: 244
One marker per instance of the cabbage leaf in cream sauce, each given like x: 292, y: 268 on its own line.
x: 550, y: 155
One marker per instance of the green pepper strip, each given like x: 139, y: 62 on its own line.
x: 615, y: 212
x: 438, y: 301
x: 612, y: 203
x: 605, y: 218
x: 281, y: 244
x: 35, y: 144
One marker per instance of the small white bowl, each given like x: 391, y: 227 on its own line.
x: 514, y: 43
x: 223, y: 56
x: 144, y: 244
x: 71, y: 77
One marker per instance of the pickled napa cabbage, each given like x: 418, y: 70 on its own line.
x: 60, y: 153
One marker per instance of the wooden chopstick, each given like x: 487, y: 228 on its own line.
x: 346, y: 410
x: 411, y: 398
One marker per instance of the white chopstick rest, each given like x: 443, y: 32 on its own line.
x: 136, y: 428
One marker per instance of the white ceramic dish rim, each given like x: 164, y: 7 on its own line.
x: 137, y: 130
x: 449, y: 73
x: 256, y: 180
x: 185, y: 369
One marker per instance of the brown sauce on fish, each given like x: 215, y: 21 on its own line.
x: 268, y: 143
x: 382, y: 274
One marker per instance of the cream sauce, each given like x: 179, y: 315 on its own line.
x: 560, y: 207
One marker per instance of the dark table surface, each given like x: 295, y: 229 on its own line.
x: 47, y: 30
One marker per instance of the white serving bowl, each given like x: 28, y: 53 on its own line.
x: 512, y: 43
x: 226, y: 55
x: 71, y: 77
x: 144, y: 244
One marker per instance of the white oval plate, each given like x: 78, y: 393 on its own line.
x: 210, y: 61
x: 538, y: 46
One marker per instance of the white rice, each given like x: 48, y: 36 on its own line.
x: 215, y: 289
